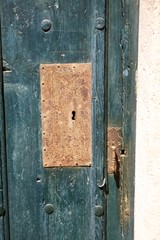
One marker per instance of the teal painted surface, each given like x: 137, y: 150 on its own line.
x: 122, y: 57
x: 1, y: 204
x: 99, y: 117
x: 114, y: 63
x: 130, y: 56
x: 1, y: 181
x: 4, y: 223
x: 72, y: 191
x: 1, y: 184
x: 114, y: 230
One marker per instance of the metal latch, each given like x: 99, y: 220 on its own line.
x: 114, y: 150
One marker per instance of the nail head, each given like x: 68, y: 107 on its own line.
x: 100, y: 23
x: 49, y: 208
x: 46, y: 25
x: 99, y: 211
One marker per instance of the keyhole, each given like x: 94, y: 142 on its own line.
x: 73, y: 115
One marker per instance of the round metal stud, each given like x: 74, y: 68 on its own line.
x: 2, y: 211
x: 46, y: 25
x: 99, y: 211
x: 49, y: 208
x: 100, y: 23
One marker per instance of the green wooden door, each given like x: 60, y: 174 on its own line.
x: 27, y: 42
x: 63, y: 203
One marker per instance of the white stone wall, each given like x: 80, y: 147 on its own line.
x: 147, y: 183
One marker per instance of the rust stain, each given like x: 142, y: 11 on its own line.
x: 66, y: 114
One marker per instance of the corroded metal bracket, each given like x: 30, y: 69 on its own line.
x: 114, y: 148
x: 66, y: 91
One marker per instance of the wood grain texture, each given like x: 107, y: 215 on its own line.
x: 4, y: 219
x: 129, y: 68
x: 1, y: 155
x: 72, y: 191
x: 66, y: 91
x: 1, y: 204
x: 99, y: 115
x: 1, y: 177
x: 114, y: 111
x: 122, y: 55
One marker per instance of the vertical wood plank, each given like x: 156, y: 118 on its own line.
x: 129, y: 67
x: 1, y: 205
x: 1, y: 185
x: 98, y: 113
x: 4, y: 219
x: 122, y: 55
x: 114, y: 110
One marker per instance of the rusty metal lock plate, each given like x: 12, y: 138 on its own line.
x: 66, y: 114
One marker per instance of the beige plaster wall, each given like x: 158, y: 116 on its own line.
x: 147, y: 182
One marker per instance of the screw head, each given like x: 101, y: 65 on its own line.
x: 46, y: 25
x: 99, y: 211
x: 100, y: 23
x: 2, y: 211
x: 49, y: 208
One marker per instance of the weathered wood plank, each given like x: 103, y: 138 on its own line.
x: 114, y: 64
x: 1, y: 193
x: 129, y: 53
x: 114, y: 110
x: 99, y: 112
x: 4, y: 218
x: 72, y: 206
x: 1, y: 205
x: 1, y: 185
x: 123, y: 27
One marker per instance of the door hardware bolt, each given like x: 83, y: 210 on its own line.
x: 100, y: 23
x: 49, y: 208
x: 46, y: 25
x: 99, y: 211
